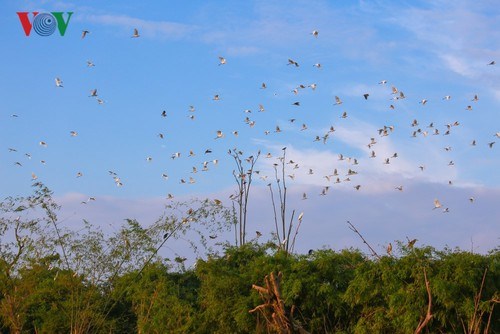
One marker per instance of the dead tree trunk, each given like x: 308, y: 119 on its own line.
x: 277, y: 318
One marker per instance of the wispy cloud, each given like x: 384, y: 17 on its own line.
x: 281, y: 30
x: 458, y: 65
x: 459, y: 33
x: 147, y: 28
x: 242, y: 50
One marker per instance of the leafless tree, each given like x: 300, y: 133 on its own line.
x: 243, y: 177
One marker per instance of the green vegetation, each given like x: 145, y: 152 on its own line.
x: 54, y: 280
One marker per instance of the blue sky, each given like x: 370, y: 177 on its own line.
x: 426, y: 49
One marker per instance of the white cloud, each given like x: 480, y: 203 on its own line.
x: 242, y: 50
x: 381, y: 217
x: 458, y: 65
x: 316, y: 165
x: 384, y: 217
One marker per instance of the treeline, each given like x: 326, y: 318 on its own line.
x: 53, y: 280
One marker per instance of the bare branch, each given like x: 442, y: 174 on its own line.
x: 295, y: 235
x: 428, y: 315
x: 287, y: 248
x: 274, y: 209
x: 351, y: 226
x: 20, y: 247
x: 477, y: 299
x: 243, y: 180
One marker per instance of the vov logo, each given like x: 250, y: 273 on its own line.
x: 44, y: 24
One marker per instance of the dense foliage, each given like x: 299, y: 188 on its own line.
x: 53, y: 280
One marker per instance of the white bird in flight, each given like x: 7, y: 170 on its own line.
x: 219, y: 134
x: 437, y: 204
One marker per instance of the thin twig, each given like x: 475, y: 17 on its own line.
x: 477, y: 299
x: 20, y: 247
x: 283, y: 207
x: 295, y: 236
x: 274, y: 209
x: 165, y: 239
x: 289, y: 231
x: 235, y: 229
x: 351, y: 226
x: 281, y: 200
x: 240, y: 196
x: 494, y: 301
x: 247, y: 192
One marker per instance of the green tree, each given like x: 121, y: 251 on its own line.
x: 160, y: 301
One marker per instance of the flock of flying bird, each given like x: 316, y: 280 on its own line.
x: 335, y: 177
